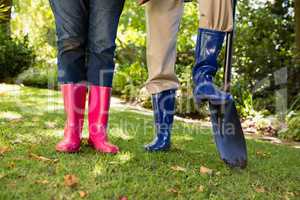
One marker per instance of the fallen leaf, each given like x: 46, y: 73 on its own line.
x: 83, y: 194
x: 2, y: 175
x: 50, y: 125
x: 12, y: 165
x: 201, y: 188
x: 178, y: 168
x: 70, y: 180
x: 12, y: 185
x: 290, y: 194
x: 42, y: 158
x: 260, y: 189
x: 42, y: 182
x: 17, y: 141
x: 262, y: 154
x: 4, y: 150
x: 172, y: 190
x: 205, y: 170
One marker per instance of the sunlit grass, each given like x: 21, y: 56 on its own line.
x: 119, y: 133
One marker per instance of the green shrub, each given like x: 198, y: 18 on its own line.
x: 293, y: 130
x: 129, y: 80
x: 40, y: 77
x: 15, y: 57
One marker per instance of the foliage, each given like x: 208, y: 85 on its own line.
x: 131, y: 72
x: 5, y: 16
x: 296, y: 103
x: 293, y: 127
x: 128, y: 81
x: 263, y: 49
x: 40, y: 77
x: 3, y: 10
x: 35, y: 20
x: 15, y: 57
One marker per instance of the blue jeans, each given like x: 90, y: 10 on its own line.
x: 86, y: 32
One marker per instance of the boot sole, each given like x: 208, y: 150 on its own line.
x: 157, y: 150
x: 240, y: 165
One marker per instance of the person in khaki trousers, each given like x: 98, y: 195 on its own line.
x: 163, y: 20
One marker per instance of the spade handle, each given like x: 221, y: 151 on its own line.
x: 229, y: 53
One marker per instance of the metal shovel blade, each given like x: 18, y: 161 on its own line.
x: 228, y: 134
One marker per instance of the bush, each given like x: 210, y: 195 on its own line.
x: 293, y: 130
x: 40, y: 77
x: 15, y: 57
x: 129, y: 80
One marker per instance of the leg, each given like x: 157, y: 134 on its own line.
x: 216, y: 15
x: 164, y: 110
x: 70, y: 18
x: 99, y: 103
x: 163, y: 19
x: 215, y: 19
x: 103, y: 24
x: 228, y: 133
x: 74, y: 103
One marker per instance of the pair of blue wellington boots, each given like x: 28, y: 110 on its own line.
x: 209, y: 45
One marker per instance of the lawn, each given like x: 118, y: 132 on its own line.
x: 32, y: 121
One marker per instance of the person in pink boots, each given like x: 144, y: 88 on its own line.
x: 86, y: 32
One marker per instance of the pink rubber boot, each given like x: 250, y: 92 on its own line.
x: 99, y: 102
x: 74, y: 96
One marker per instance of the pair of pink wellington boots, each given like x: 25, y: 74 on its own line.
x: 74, y: 96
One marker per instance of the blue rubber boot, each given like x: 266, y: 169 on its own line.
x: 209, y: 45
x: 164, y: 109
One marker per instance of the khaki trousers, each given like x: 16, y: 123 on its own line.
x: 163, y: 20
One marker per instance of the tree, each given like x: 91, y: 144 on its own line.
x: 5, y: 15
x: 297, y: 28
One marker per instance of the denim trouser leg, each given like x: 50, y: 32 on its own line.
x: 86, y: 31
x: 71, y: 19
x: 103, y: 24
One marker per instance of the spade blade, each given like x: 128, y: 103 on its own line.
x: 228, y: 134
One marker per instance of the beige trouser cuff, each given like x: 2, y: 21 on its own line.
x: 216, y: 15
x: 163, y: 20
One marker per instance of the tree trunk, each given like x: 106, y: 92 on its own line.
x: 5, y: 15
x: 297, y: 28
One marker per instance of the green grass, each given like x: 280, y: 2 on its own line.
x: 32, y: 121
